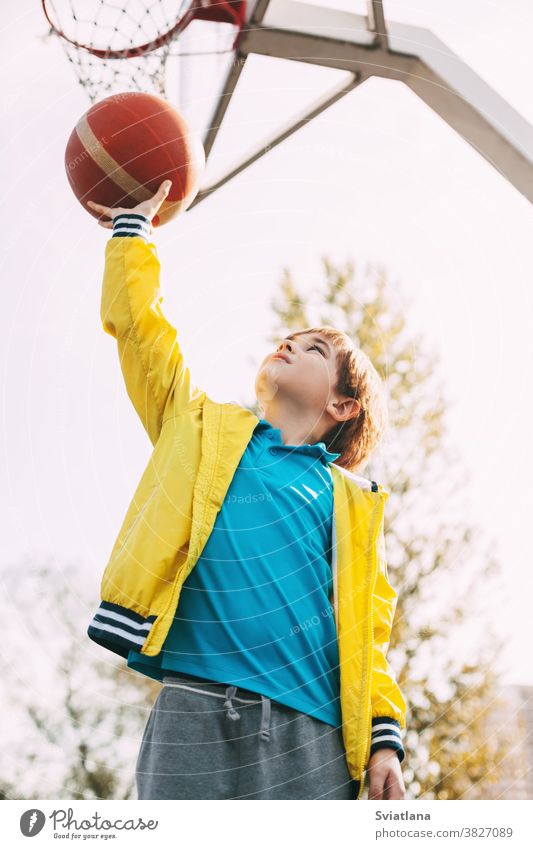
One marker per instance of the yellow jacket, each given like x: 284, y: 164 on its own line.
x: 197, y: 445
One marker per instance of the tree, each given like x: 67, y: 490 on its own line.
x: 443, y: 647
x: 76, y: 719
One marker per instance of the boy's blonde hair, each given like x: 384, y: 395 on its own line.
x: 356, y: 438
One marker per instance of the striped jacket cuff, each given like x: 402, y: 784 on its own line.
x: 132, y: 224
x: 386, y: 734
x: 120, y: 629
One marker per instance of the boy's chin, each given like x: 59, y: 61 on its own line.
x: 265, y: 390
x: 267, y: 394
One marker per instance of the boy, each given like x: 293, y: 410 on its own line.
x: 249, y: 575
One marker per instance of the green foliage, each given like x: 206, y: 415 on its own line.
x: 443, y: 648
x: 77, y: 721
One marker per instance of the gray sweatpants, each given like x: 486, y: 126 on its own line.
x: 210, y: 740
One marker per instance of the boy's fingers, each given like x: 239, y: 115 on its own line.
x: 376, y: 787
x: 107, y: 224
x: 98, y: 207
x: 160, y: 195
x: 393, y: 786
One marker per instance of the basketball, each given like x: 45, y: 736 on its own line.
x: 124, y: 146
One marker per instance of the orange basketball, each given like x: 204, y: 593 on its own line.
x: 125, y: 146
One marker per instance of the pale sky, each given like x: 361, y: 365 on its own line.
x: 377, y: 178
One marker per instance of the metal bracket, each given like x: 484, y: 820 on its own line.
x: 369, y: 47
x: 319, y: 106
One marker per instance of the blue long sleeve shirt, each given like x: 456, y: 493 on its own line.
x: 255, y: 610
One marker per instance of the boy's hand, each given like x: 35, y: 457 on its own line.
x: 385, y: 774
x: 147, y: 207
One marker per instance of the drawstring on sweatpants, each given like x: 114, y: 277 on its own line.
x: 230, y: 694
x: 264, y: 731
x: 231, y: 711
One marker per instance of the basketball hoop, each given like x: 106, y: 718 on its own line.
x: 117, y: 45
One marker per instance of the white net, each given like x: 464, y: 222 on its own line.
x: 124, y: 46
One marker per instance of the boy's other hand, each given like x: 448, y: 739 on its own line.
x: 148, y: 207
x: 385, y: 774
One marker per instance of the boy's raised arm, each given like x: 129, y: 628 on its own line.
x: 157, y: 380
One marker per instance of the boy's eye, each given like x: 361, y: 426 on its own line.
x: 317, y: 348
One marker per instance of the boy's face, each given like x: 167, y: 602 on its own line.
x: 301, y: 370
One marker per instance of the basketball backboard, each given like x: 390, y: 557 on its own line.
x: 364, y: 46
x: 205, y: 65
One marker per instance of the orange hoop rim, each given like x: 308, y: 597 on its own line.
x: 196, y: 6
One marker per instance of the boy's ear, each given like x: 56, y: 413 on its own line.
x: 344, y: 409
